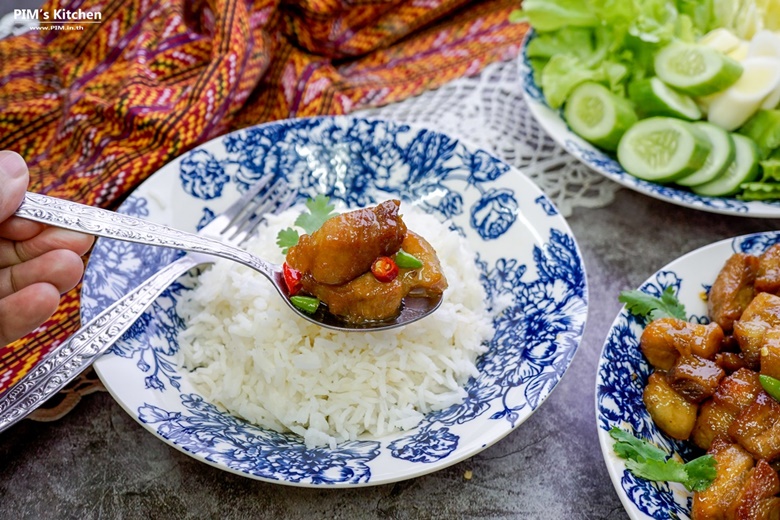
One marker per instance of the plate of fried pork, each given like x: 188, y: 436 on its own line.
x: 688, y: 385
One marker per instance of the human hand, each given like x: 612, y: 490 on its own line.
x: 37, y: 262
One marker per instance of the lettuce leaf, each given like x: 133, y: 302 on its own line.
x: 546, y: 15
x: 562, y: 74
x: 611, y: 42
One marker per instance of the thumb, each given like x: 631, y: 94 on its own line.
x: 14, y: 179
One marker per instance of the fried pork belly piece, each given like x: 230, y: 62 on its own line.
x: 759, y: 324
x: 768, y: 275
x: 770, y: 355
x: 367, y: 299
x: 671, y: 412
x: 734, y: 393
x: 757, y: 427
x: 666, y: 339
x: 695, y: 377
x: 730, y: 361
x: 733, y: 465
x: 428, y: 280
x: 733, y: 290
x: 738, y: 390
x: 361, y: 300
x: 713, y: 422
x: 756, y: 500
x: 346, y: 245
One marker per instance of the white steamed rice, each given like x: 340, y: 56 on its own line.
x: 250, y: 355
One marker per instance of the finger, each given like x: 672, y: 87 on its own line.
x: 50, y: 239
x: 14, y: 178
x: 18, y: 228
x: 26, y: 310
x: 60, y: 268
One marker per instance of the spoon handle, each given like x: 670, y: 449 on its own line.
x: 66, y: 361
x: 103, y: 223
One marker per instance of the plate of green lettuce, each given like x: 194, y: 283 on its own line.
x: 663, y: 96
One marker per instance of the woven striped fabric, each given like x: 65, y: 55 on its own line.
x: 96, y: 111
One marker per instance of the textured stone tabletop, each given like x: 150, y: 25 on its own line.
x: 97, y: 462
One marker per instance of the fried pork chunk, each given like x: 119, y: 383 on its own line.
x: 367, y: 299
x: 733, y: 290
x: 757, y: 427
x: 346, y: 245
x: 759, y: 324
x: 664, y: 340
x: 695, y: 378
x: 743, y: 489
x: 757, y: 500
x: 734, y: 393
x: 768, y: 275
x: 733, y: 465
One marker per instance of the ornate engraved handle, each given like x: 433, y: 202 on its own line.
x: 70, y: 358
x: 95, y: 221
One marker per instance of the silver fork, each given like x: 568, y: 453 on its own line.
x: 79, y: 351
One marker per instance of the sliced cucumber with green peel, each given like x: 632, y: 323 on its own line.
x: 663, y: 149
x: 719, y: 159
x: 697, y: 70
x: 653, y: 97
x: 597, y: 115
x: 743, y: 169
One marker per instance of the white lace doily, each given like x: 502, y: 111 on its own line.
x: 488, y: 111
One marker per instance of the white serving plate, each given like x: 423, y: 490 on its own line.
x: 524, y: 247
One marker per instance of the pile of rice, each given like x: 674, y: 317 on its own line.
x: 250, y: 354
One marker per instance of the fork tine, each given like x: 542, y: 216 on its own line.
x: 278, y: 198
x: 276, y: 205
x: 235, y: 209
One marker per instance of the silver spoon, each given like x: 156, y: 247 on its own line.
x: 95, y: 221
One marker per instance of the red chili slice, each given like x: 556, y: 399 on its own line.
x: 384, y: 269
x: 292, y: 279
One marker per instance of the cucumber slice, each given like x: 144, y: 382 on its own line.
x: 697, y: 70
x: 720, y: 158
x: 663, y: 149
x: 597, y: 115
x: 743, y: 169
x: 653, y: 97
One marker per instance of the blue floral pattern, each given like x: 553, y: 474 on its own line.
x: 623, y: 373
x: 359, y: 161
x: 607, y: 165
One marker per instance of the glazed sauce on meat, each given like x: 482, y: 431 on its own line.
x: 336, y: 264
x: 706, y: 387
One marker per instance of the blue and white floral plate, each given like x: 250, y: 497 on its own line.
x: 555, y: 126
x: 525, y: 251
x: 623, y: 372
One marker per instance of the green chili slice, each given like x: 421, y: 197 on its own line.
x: 406, y: 261
x: 305, y: 303
x: 771, y: 385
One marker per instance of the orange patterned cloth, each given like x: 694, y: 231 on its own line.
x: 96, y: 111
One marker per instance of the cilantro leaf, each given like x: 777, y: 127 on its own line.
x: 660, y: 471
x: 320, y: 210
x: 650, y: 462
x: 287, y: 238
x: 653, y: 307
x: 701, y: 472
x: 629, y: 447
